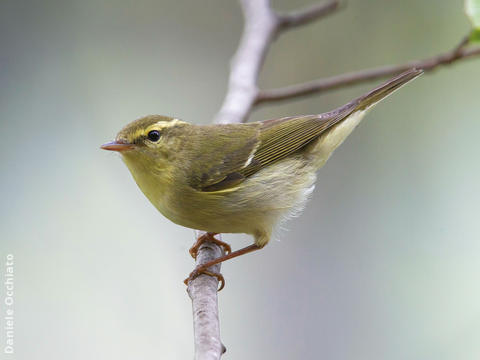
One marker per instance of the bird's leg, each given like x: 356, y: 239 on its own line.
x: 203, y: 269
x: 208, y: 237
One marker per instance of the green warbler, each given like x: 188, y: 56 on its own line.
x: 237, y: 178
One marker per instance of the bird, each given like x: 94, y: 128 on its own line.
x: 237, y: 178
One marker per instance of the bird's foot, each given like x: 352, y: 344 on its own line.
x: 208, y: 237
x: 201, y: 270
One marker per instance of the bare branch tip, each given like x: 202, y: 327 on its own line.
x: 307, y: 15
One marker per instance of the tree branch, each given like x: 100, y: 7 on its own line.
x: 203, y: 292
x: 260, y: 28
x: 344, y: 80
x: 262, y: 25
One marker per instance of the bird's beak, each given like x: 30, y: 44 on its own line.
x: 117, y: 145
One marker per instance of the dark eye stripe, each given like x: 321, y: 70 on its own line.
x: 154, y: 135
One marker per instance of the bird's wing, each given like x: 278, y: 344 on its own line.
x: 274, y: 140
x: 280, y: 138
x: 218, y: 153
x: 277, y: 139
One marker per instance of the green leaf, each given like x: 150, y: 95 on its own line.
x: 472, y: 9
x: 475, y: 36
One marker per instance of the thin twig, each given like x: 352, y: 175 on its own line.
x: 339, y: 81
x: 462, y: 44
x: 305, y: 16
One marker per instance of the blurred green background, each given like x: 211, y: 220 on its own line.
x: 384, y: 262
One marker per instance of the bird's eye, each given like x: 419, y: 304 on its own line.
x: 154, y: 135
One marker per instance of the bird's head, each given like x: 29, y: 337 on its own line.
x: 148, y: 143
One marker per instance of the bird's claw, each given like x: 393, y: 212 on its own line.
x: 198, y: 271
x: 208, y: 237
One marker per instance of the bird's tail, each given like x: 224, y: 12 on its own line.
x: 381, y: 92
x: 342, y: 121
